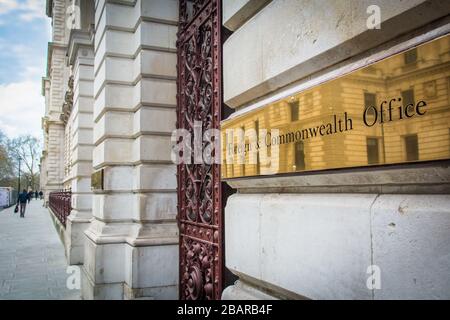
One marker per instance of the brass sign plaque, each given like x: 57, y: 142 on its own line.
x: 394, y: 111
x: 97, y: 180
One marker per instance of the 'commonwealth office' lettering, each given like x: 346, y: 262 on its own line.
x: 335, y: 126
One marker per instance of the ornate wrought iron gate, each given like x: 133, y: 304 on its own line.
x: 199, y: 98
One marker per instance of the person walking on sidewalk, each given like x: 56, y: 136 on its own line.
x: 22, y: 202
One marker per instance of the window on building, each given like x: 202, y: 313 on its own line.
x: 294, y: 107
x: 244, y: 154
x: 411, y: 147
x: 370, y: 100
x: 257, y: 140
x: 408, y: 97
x: 448, y: 88
x: 309, y: 100
x: 299, y: 156
x: 373, y: 154
x: 410, y: 56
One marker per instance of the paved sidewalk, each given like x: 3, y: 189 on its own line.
x: 32, y: 261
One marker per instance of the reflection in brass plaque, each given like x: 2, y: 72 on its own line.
x: 97, y: 180
x: 393, y: 111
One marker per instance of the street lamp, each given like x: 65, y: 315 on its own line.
x: 19, y: 178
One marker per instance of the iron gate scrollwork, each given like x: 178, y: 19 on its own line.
x: 199, y: 98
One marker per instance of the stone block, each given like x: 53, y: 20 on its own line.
x: 155, y: 177
x: 100, y: 78
x: 118, y: 69
x: 331, y: 233
x: 113, y: 123
x: 164, y: 10
x: 236, y: 12
x: 157, y: 206
x: 83, y: 104
x: 152, y: 266
x: 84, y: 70
x: 243, y: 291
x: 75, y: 239
x: 155, y: 120
x: 113, y: 151
x: 82, y: 136
x: 114, y: 96
x: 110, y: 207
x: 92, y: 291
x: 243, y: 228
x: 115, y: 42
x: 156, y: 63
x: 157, y: 35
x: 411, y: 241
x: 82, y: 201
x: 84, y: 87
x: 156, y: 92
x: 121, y: 15
x: 98, y: 261
x: 119, y: 178
x: 82, y: 120
x: 114, y: 14
x: 151, y: 148
x: 82, y: 152
x: 151, y: 293
x: 82, y: 168
x: 81, y: 184
x: 290, y: 40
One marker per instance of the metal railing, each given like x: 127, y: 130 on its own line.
x: 60, y: 203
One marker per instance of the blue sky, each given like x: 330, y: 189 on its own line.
x: 24, y: 33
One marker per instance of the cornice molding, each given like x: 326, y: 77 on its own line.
x: 49, y: 8
x: 78, y: 39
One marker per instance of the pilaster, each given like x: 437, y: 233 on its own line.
x: 53, y: 90
x: 133, y: 226
x: 80, y: 128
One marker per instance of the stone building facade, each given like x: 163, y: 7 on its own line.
x: 114, y: 111
x: 111, y: 108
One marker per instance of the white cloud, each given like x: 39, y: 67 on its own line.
x: 21, y: 103
x: 21, y: 108
x: 33, y: 9
x: 28, y: 10
x: 8, y: 5
x: 28, y: 65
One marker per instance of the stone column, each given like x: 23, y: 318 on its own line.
x: 57, y: 75
x: 43, y: 172
x: 131, y: 246
x: 81, y: 59
x: 55, y: 127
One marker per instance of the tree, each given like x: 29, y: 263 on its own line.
x: 26, y: 149
x: 6, y: 166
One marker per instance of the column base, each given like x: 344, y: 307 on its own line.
x: 105, y: 291
x: 244, y: 291
x: 150, y: 293
x: 74, y: 242
x: 115, y: 269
